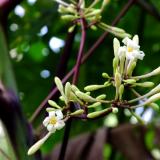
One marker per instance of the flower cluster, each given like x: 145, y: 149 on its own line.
x: 75, y: 11
x: 77, y: 104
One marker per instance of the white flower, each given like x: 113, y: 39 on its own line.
x: 54, y: 121
x: 133, y: 48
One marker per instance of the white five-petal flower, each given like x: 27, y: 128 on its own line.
x: 54, y: 121
x: 132, y: 48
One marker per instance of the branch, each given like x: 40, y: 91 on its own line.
x: 85, y: 57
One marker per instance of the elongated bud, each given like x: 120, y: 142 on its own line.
x: 93, y: 27
x: 74, y: 88
x: 115, y: 110
x: 106, y: 84
x: 105, y: 75
x: 117, y: 79
x: 101, y: 97
x: 49, y: 109
x: 121, y: 90
x: 122, y: 59
x: 136, y: 39
x: 94, y: 105
x: 82, y: 4
x: 78, y: 112
x: 61, y: 98
x: 53, y: 104
x: 84, y: 97
x: 38, y: 144
x: 154, y: 106
x: 131, y: 67
x: 152, y: 98
x: 144, y: 84
x: 74, y: 98
x: 116, y: 45
x: 153, y: 73
x: 59, y: 84
x: 115, y: 63
x: 68, y: 17
x: 71, y: 29
x: 93, y: 87
x: 129, y: 81
x: 93, y: 13
x: 99, y: 113
x: 67, y: 90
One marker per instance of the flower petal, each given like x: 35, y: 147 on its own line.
x: 59, y: 114
x: 46, y: 121
x: 59, y: 125
x: 51, y: 128
x: 52, y: 113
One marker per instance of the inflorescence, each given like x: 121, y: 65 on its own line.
x: 78, y: 104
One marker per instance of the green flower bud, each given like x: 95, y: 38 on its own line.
x: 61, y: 98
x: 68, y: 17
x: 74, y: 98
x: 116, y: 45
x: 67, y: 91
x: 94, y: 105
x: 53, y: 104
x: 154, y: 106
x: 115, y: 63
x: 105, y: 75
x: 49, y: 109
x: 74, y: 88
x: 38, y: 144
x: 99, y: 113
x: 93, y: 13
x: 84, y: 97
x: 93, y: 87
x: 115, y: 110
x: 93, y: 27
x: 121, y: 90
x: 117, y: 79
x: 106, y: 84
x: 71, y: 29
x: 77, y: 112
x: 101, y: 97
x: 129, y: 81
x: 131, y: 67
x: 145, y: 84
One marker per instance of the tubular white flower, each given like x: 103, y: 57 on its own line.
x: 54, y: 121
x: 133, y: 48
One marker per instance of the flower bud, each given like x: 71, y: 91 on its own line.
x: 105, y: 75
x: 129, y: 81
x: 93, y: 13
x: 74, y: 88
x: 77, y: 112
x: 38, y: 144
x: 101, y: 97
x: 154, y: 106
x: 116, y: 45
x: 94, y: 105
x: 53, y: 104
x: 93, y: 87
x: 67, y: 90
x: 93, y: 27
x: 106, y: 84
x: 131, y: 67
x: 74, y: 98
x: 145, y: 84
x: 117, y: 79
x: 71, y: 29
x: 115, y: 110
x: 84, y: 97
x: 49, y: 109
x: 121, y: 90
x: 115, y: 63
x: 68, y: 17
x: 99, y: 113
x: 152, y: 98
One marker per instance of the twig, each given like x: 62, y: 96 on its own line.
x: 85, y: 57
